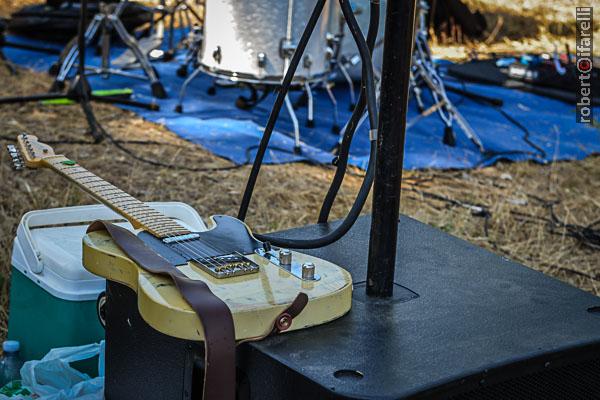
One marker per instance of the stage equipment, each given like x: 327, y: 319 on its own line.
x: 53, y: 299
x: 104, y: 24
x: 79, y: 89
x: 348, y: 56
x: 395, y: 86
x: 255, y: 280
x: 178, y: 11
x: 252, y: 43
x: 192, y: 45
x: 424, y: 73
x: 370, y: 100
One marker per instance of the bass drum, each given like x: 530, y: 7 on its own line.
x: 252, y: 40
x: 348, y: 51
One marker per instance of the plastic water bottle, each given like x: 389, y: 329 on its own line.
x: 10, y: 363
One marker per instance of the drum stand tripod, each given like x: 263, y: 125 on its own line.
x: 79, y: 89
x: 107, y: 21
x: 423, y: 72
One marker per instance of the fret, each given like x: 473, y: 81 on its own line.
x: 146, y: 215
x: 103, y: 185
x: 108, y: 192
x: 124, y: 201
x: 99, y: 185
x: 114, y: 197
x: 73, y: 169
x: 163, y: 220
x: 163, y: 230
x: 72, y: 175
x: 165, y: 224
x: 93, y: 180
x: 136, y: 206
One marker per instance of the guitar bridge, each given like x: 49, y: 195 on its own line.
x: 226, y: 266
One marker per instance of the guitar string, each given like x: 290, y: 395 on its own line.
x: 200, y: 256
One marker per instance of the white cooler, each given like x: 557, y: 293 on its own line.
x: 52, y: 297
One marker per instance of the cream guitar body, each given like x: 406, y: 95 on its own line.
x: 256, y: 282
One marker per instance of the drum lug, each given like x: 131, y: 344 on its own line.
x: 286, y: 48
x: 307, y: 61
x: 262, y: 60
x: 217, y: 55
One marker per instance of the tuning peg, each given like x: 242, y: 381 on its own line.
x: 17, y: 160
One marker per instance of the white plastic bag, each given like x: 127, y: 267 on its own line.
x: 52, y: 378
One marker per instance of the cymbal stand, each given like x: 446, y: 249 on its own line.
x: 79, y: 89
x: 423, y: 72
x: 104, y: 23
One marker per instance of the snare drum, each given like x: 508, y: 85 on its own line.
x: 253, y: 40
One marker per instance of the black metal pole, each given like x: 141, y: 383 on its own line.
x: 83, y: 12
x: 397, y: 55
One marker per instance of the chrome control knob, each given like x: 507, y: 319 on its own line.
x: 308, y: 271
x: 285, y: 257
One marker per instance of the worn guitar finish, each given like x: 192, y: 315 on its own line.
x: 255, y: 282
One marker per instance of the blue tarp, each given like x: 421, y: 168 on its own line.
x: 215, y: 123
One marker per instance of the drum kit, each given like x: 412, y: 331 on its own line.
x: 249, y: 44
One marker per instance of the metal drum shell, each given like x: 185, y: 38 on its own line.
x: 237, y: 31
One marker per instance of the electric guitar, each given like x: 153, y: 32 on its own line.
x: 256, y: 282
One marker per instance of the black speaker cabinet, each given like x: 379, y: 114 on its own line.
x: 463, y: 324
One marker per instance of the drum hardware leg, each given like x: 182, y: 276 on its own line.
x: 290, y: 109
x: 65, y: 66
x: 108, y: 22
x: 310, y: 120
x: 182, y: 91
x: 194, y: 41
x: 246, y: 103
x: 417, y: 93
x: 425, y: 71
x: 105, y: 49
x: 348, y: 79
x: 336, y: 127
x: 157, y: 88
x: 79, y: 89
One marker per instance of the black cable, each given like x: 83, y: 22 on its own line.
x: 365, y: 55
x: 283, y: 90
x: 509, y: 118
x: 92, y: 120
x: 346, y: 224
x: 365, y: 188
x: 344, y: 150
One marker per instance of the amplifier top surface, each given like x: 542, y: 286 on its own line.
x: 474, y: 311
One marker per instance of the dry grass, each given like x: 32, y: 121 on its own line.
x: 289, y: 195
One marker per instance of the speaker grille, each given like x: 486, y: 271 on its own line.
x: 573, y: 381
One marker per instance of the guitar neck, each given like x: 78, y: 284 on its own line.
x: 139, y: 214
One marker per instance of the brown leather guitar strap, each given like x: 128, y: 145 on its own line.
x: 217, y: 322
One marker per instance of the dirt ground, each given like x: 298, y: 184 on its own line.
x: 543, y: 216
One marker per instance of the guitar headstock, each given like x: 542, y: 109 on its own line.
x: 29, y: 152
